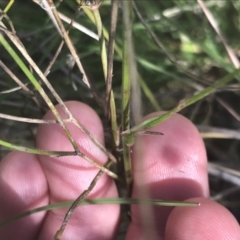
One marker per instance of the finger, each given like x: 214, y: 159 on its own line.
x: 68, y: 177
x: 23, y: 186
x: 210, y: 221
x: 171, y: 167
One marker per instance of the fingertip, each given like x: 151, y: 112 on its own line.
x: 210, y: 221
x: 21, y: 174
x: 23, y: 187
x: 170, y: 167
x: 69, y: 176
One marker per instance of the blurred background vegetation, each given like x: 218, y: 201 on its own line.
x: 192, y: 58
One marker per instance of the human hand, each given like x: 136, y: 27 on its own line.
x: 173, y: 167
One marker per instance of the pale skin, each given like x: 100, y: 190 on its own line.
x: 174, y: 167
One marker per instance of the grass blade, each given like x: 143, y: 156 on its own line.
x: 49, y: 207
x: 149, y: 123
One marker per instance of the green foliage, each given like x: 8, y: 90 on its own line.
x: 180, y: 61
